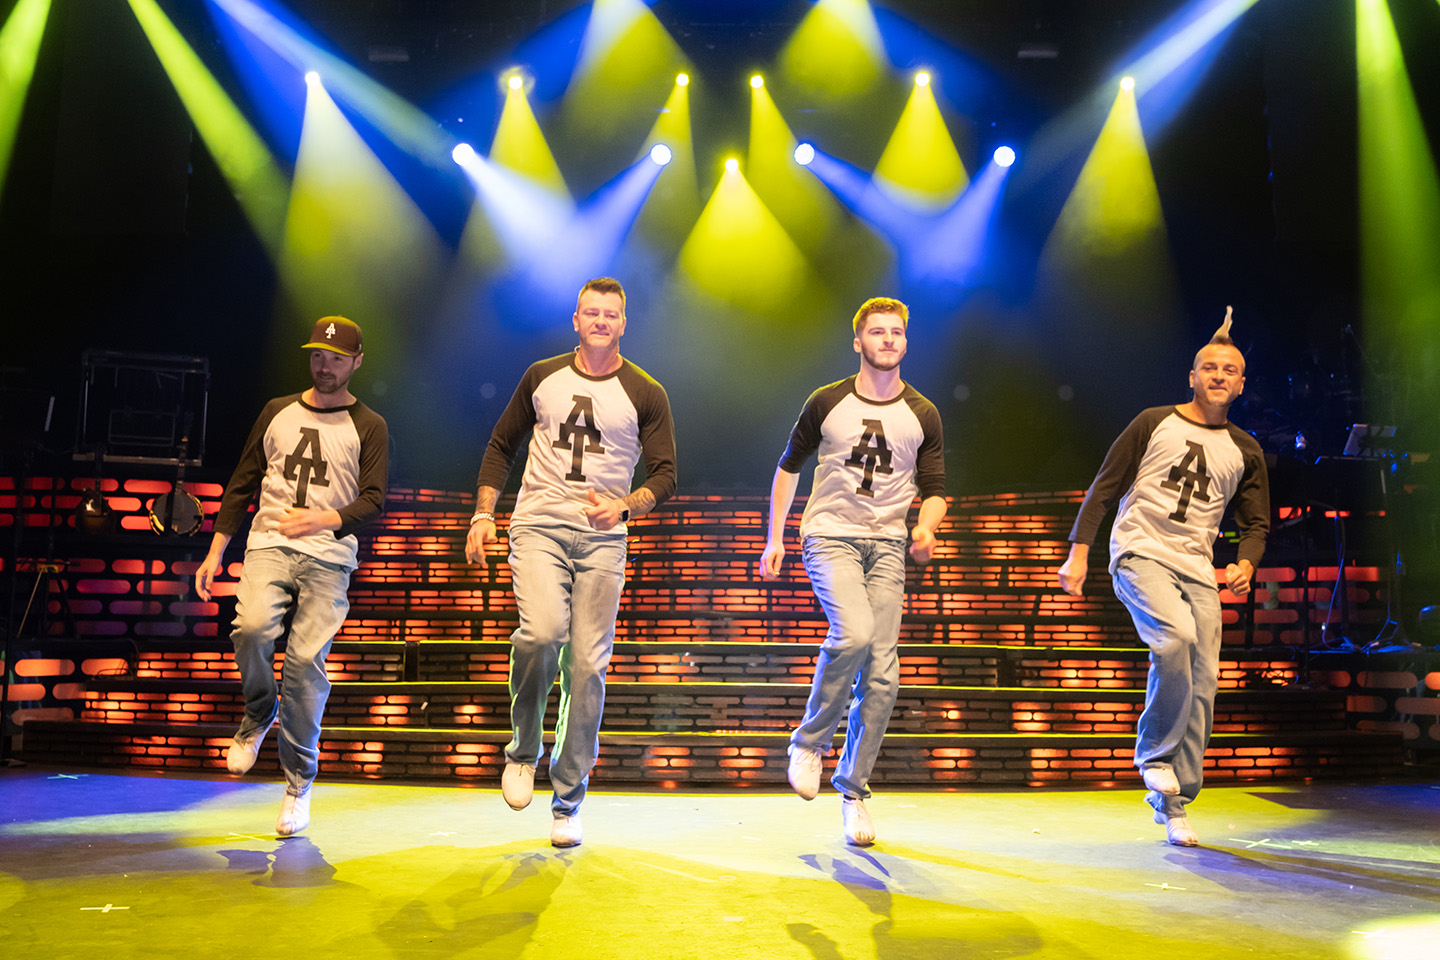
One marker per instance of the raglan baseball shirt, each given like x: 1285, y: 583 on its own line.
x: 873, y: 456
x: 302, y: 456
x: 1177, y: 477
x: 586, y: 433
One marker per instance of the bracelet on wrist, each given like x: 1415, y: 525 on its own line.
x: 482, y: 515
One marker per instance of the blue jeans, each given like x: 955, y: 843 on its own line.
x: 1179, y: 620
x: 567, y: 589
x: 273, y: 580
x: 860, y: 584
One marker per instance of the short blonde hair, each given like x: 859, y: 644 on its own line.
x: 880, y: 305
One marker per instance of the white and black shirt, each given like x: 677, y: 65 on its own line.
x: 303, y: 456
x: 873, y: 456
x: 1174, y: 478
x: 586, y: 433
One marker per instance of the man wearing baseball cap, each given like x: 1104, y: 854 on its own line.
x: 319, y: 460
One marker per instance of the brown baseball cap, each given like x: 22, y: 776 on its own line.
x: 337, y: 335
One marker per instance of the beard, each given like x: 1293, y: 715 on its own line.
x: 326, y: 383
x: 883, y: 363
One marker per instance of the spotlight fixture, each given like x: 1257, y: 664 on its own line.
x: 757, y: 81
x: 922, y: 79
x: 312, y: 77
x: 804, y: 154
x: 516, y: 81
x: 1127, y: 83
x: 682, y: 80
x: 660, y: 154
x: 463, y: 153
x: 732, y: 165
x: 1004, y: 156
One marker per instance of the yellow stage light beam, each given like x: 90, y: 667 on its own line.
x: 1399, y: 195
x: 836, y: 52
x: 239, y: 152
x: 797, y: 199
x: 921, y: 166
x: 1109, y: 245
x: 19, y: 47
x: 627, y: 63
x: 739, y: 253
x: 355, y: 243
x: 674, y: 202
x: 519, y: 144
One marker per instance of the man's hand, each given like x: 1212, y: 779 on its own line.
x: 922, y: 543
x: 771, y: 559
x: 205, y: 574
x: 602, y: 515
x: 1073, y: 570
x: 1238, y: 576
x: 482, y: 534
x: 303, y: 522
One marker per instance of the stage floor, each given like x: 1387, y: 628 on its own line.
x: 105, y: 865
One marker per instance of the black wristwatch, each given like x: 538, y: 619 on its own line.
x: 625, y: 515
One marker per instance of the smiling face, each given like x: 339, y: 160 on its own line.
x: 600, y: 320
x: 331, y: 371
x: 1218, y: 376
x: 880, y: 340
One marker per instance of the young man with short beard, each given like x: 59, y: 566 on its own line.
x: 319, y: 460
x: 878, y: 441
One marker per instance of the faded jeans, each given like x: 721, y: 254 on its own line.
x: 1179, y: 619
x: 860, y: 584
x: 567, y: 589
x: 273, y: 580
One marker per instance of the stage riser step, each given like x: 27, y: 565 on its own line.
x: 675, y: 760
x: 676, y: 629
x: 718, y: 708
x: 658, y: 662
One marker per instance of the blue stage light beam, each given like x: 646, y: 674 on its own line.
x: 405, y: 125
x: 950, y: 251
x: 525, y: 216
x: 938, y: 254
x: 550, y: 246
x: 587, y: 246
x: 1166, y: 67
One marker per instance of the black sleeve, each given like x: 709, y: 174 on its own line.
x: 1252, y: 500
x: 374, y: 479
x: 805, y: 435
x: 657, y: 440
x: 1116, y: 474
x: 510, y: 431
x: 930, y: 458
x: 249, y: 472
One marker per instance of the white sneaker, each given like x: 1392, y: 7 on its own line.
x: 294, y: 814
x: 1178, y: 830
x: 1162, y: 780
x: 566, y: 831
x: 517, y: 785
x: 240, y: 755
x: 859, y: 829
x: 804, y: 772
